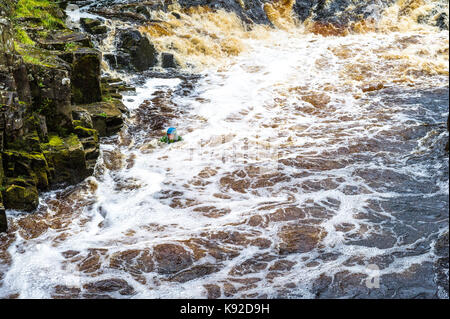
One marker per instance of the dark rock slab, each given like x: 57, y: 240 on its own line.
x: 3, y: 220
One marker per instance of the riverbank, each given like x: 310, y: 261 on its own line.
x: 54, y: 103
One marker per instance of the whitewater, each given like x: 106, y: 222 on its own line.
x: 309, y: 164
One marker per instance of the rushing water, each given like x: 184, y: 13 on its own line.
x: 311, y: 167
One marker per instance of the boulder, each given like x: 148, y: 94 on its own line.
x: 86, y: 76
x: 60, y: 40
x: 21, y: 194
x: 3, y: 220
x: 299, y: 238
x: 168, y: 60
x: 171, y: 258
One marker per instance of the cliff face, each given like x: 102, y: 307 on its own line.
x: 53, y: 105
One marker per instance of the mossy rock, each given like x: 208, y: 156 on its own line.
x: 107, y: 116
x: 81, y: 117
x: 86, y: 132
x: 63, y: 40
x: 93, y: 26
x: 86, y: 76
x: 21, y: 197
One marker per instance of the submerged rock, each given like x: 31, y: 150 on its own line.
x: 140, y: 52
x: 60, y: 40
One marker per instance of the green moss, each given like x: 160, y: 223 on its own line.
x: 107, y: 98
x: 70, y: 46
x: 34, y: 55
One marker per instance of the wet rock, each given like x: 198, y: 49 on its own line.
x: 442, y: 263
x: 33, y: 165
x: 288, y: 213
x: 21, y: 195
x: 60, y: 40
x: 229, y: 290
x: 65, y: 292
x: 318, y: 100
x: 31, y: 226
x: 321, y: 284
x: 86, y: 76
x: 107, y: 117
x: 133, y: 261
x: 372, y: 87
x: 248, y: 267
x: 142, y: 54
x: 168, y: 61
x: 299, y: 238
x: 93, y: 26
x: 255, y: 220
x: 90, y: 263
x: 212, y: 291
x: 3, y: 220
x: 195, y: 272
x: 67, y: 159
x: 282, y: 265
x: 262, y: 243
x: 113, y: 160
x: 109, y: 285
x: 171, y: 258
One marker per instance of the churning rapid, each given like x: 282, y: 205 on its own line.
x: 313, y: 164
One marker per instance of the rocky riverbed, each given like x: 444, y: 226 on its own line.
x: 314, y: 161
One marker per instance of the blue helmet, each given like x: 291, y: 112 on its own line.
x: 171, y: 130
